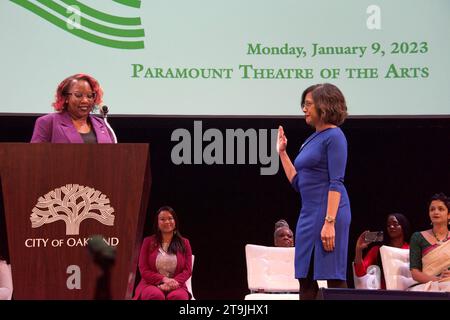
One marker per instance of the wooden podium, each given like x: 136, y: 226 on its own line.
x: 57, y: 196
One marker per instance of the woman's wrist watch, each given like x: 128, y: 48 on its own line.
x: 330, y: 219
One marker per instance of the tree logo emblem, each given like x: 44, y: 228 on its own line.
x: 72, y: 204
x: 89, y: 23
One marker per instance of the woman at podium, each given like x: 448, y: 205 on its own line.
x: 73, y: 122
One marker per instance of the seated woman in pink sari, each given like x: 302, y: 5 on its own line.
x: 430, y: 249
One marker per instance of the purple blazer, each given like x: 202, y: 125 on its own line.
x: 57, y: 127
x: 147, y: 265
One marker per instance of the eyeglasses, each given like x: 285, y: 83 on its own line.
x: 307, y: 105
x: 79, y: 95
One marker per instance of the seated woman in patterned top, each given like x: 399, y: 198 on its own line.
x: 430, y: 249
x: 165, y: 261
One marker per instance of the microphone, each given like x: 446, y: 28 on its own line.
x: 103, y: 254
x: 104, y: 111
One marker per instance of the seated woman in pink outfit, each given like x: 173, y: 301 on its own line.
x: 165, y: 261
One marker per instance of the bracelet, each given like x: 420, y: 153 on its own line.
x: 330, y: 219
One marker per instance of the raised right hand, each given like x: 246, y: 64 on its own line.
x: 281, y: 140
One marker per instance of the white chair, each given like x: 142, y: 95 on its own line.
x: 396, y: 268
x: 189, y: 282
x: 270, y: 273
x: 371, y: 280
x: 6, y: 284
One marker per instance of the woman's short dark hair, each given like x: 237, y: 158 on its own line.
x: 441, y: 197
x: 177, y: 244
x: 329, y: 102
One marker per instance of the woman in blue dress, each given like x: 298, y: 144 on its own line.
x: 321, y: 235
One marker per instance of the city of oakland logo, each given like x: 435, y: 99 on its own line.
x: 89, y: 23
x: 72, y: 204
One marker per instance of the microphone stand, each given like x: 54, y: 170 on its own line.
x: 104, y: 110
x: 103, y: 256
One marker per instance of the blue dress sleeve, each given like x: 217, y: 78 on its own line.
x: 294, y: 183
x: 336, y: 147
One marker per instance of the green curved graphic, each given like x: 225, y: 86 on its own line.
x: 51, y: 8
x: 93, y: 25
x: 130, y: 3
x: 125, y: 21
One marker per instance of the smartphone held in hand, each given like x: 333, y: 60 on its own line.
x: 375, y: 236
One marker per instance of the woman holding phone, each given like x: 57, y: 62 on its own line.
x: 398, y: 232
